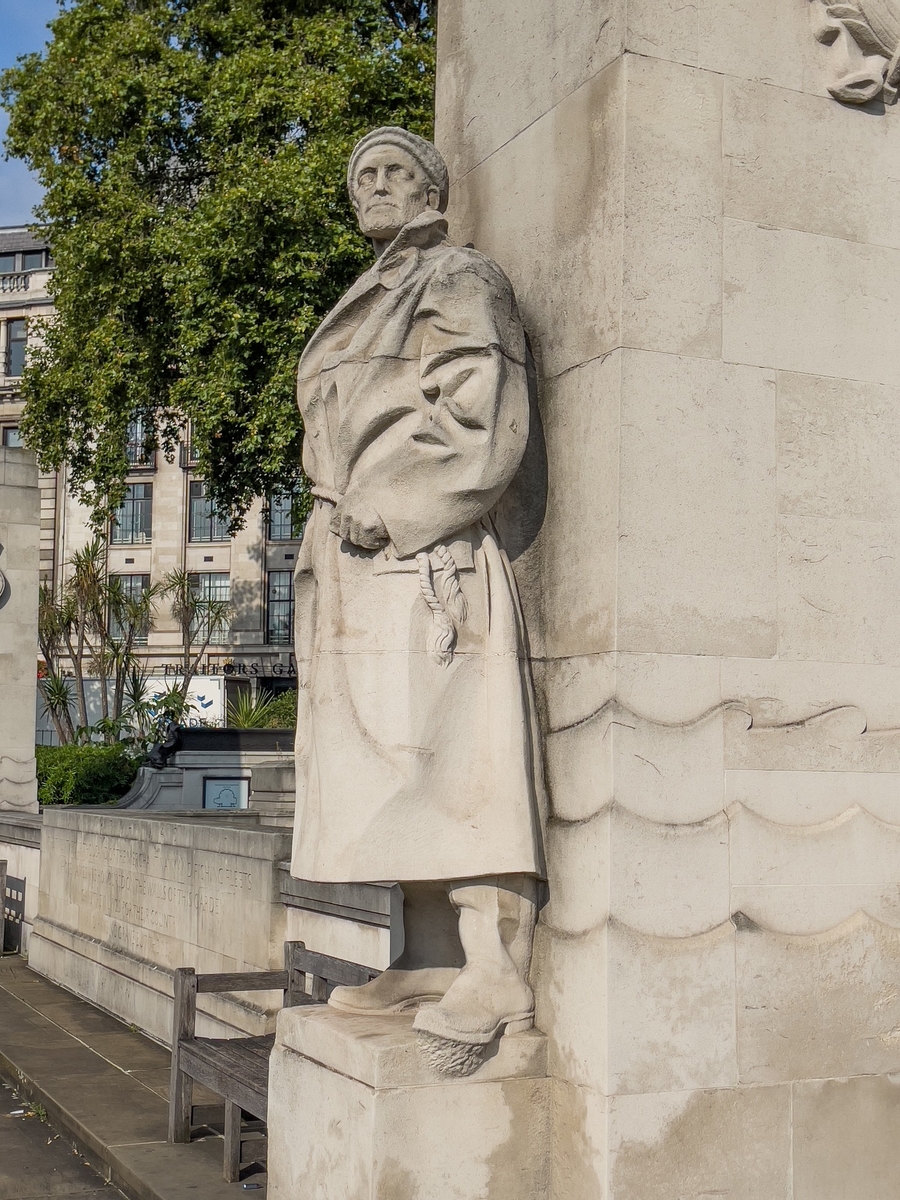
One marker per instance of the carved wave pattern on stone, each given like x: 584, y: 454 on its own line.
x: 727, y: 818
x: 736, y: 1004
x: 17, y: 771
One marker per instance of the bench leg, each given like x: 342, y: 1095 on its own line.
x: 232, y: 1166
x: 181, y: 1089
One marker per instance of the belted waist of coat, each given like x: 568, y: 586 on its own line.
x: 440, y: 588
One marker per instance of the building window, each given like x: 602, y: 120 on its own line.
x: 15, y: 355
x: 133, y: 521
x: 12, y: 437
x: 280, y: 609
x: 187, y: 451
x: 131, y: 588
x: 7, y: 264
x: 213, y: 585
x: 135, y: 450
x: 33, y: 260
x: 205, y: 525
x: 282, y: 526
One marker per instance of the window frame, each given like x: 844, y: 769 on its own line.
x: 217, y: 526
x: 281, y: 606
x: 11, y: 340
x: 273, y: 499
x: 135, y: 536
x: 220, y: 637
x: 141, y: 638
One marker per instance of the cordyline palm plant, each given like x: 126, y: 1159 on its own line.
x: 89, y: 626
x: 199, y: 618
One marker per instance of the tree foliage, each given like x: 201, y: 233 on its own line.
x: 193, y: 154
x: 88, y: 627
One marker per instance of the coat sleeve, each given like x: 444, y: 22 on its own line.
x: 465, y: 440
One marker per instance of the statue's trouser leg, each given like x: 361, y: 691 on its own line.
x: 496, y: 928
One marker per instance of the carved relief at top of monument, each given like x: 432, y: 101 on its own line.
x: 863, y: 41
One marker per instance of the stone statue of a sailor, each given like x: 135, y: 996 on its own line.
x: 416, y: 755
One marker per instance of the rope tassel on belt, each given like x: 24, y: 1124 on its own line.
x: 449, y: 609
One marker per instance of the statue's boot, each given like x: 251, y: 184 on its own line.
x: 394, y: 991
x: 491, y: 994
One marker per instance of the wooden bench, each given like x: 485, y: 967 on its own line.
x: 238, y: 1068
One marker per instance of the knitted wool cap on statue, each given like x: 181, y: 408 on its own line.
x: 423, y: 152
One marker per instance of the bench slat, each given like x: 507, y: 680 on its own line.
x: 244, y: 981
x: 335, y: 970
x: 231, y: 1069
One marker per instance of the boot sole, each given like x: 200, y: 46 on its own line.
x: 520, y: 1023
x: 402, y: 1006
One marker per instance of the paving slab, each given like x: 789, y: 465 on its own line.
x: 38, y: 1164
x: 105, y: 1088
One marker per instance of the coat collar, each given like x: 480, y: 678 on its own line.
x: 400, y: 259
x: 396, y: 264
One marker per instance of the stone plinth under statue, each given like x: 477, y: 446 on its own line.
x: 360, y: 1114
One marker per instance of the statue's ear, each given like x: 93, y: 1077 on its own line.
x: 434, y: 197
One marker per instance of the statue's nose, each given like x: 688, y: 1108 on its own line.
x: 856, y: 77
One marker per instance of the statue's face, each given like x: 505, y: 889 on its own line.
x: 389, y: 190
x: 858, y: 62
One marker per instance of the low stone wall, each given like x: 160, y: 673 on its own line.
x: 126, y: 898
x: 20, y: 846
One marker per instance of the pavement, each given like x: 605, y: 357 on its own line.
x: 103, y: 1087
x: 38, y: 1164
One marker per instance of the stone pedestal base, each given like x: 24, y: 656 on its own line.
x: 355, y: 1113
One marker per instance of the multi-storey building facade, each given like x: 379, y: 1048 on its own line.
x: 165, y: 522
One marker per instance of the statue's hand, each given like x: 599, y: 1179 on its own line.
x: 354, y: 522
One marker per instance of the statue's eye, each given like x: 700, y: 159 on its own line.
x: 365, y: 178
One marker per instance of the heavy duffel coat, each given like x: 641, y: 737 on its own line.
x: 416, y: 755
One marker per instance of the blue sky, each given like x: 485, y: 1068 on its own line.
x: 22, y: 28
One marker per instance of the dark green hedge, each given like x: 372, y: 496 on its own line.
x: 283, y: 711
x: 84, y: 774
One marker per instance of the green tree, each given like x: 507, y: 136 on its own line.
x: 193, y: 156
x: 88, y: 627
x: 199, y: 618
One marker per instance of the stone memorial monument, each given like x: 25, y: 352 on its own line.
x: 19, y: 537
x: 417, y: 754
x: 696, y: 206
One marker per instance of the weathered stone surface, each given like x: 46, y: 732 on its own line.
x: 767, y: 130
x: 734, y: 1142
x: 493, y: 100
x: 844, y: 1139
x: 354, y: 1112
x: 705, y: 246
x: 124, y: 900
x: 792, y: 296
x: 820, y: 1006
x: 19, y: 538
x: 671, y: 1011
x: 696, y: 569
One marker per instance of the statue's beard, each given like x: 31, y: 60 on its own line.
x: 385, y: 220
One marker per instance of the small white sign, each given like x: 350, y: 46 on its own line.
x: 206, y: 696
x: 226, y: 793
